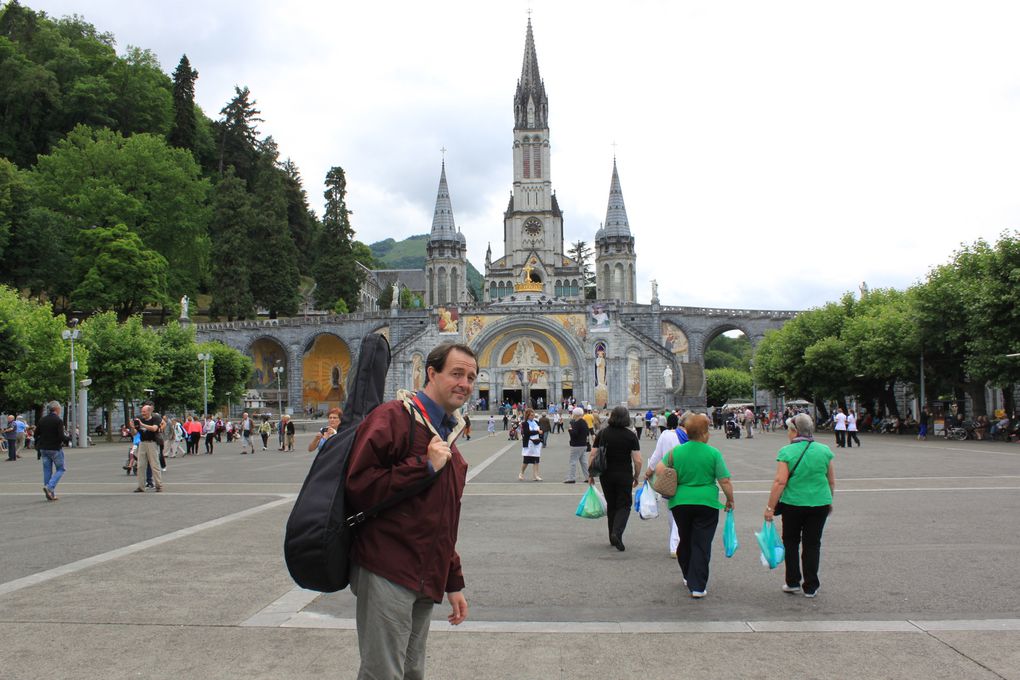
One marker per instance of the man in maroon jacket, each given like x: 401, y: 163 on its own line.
x: 405, y: 559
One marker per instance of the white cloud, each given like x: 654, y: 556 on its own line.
x: 772, y: 155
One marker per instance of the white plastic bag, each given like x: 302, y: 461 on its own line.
x: 649, y: 505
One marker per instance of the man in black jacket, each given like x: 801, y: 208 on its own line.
x: 50, y: 439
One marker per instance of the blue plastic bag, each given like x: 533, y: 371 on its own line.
x: 772, y: 551
x: 729, y: 535
x: 592, y: 505
x: 637, y: 499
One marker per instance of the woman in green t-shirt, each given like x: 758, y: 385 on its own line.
x: 805, y: 481
x: 695, y: 506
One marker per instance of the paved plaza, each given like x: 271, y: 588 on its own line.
x: 919, y: 574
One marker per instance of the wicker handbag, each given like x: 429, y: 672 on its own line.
x: 665, y: 482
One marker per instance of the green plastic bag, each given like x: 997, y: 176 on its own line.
x: 592, y: 505
x: 729, y: 535
x: 772, y: 551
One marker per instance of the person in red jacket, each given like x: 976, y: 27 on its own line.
x: 405, y: 559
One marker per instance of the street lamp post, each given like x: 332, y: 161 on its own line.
x: 278, y: 370
x: 205, y: 358
x: 72, y: 334
x: 228, y: 403
x: 754, y: 387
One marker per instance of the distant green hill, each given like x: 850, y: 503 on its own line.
x: 410, y: 254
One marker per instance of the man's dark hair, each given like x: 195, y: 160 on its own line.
x: 672, y: 421
x: 620, y: 417
x: 437, y: 357
x: 148, y: 403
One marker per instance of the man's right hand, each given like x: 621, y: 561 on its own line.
x: 439, y: 453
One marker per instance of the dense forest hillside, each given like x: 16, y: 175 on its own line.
x: 141, y: 197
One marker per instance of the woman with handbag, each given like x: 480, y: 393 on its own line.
x: 674, y: 436
x: 621, y: 473
x: 695, y: 505
x: 531, y: 444
x: 802, y: 494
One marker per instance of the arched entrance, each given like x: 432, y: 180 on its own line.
x: 267, y: 389
x: 534, y: 362
x: 326, y: 366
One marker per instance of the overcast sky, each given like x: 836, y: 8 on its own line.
x: 773, y: 155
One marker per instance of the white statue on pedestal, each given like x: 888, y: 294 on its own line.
x: 395, y: 301
x: 184, y: 307
x: 655, y: 291
x: 667, y: 378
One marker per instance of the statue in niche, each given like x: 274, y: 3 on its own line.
x: 667, y: 378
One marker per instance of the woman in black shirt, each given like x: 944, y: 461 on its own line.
x: 623, y: 468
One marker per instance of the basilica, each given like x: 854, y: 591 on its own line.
x: 537, y: 339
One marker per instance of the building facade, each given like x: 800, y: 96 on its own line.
x: 537, y: 339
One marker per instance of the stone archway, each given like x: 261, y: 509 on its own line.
x: 265, y: 388
x: 528, y: 358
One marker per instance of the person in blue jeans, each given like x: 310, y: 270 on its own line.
x: 50, y: 441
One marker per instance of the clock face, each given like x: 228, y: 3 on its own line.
x: 533, y: 227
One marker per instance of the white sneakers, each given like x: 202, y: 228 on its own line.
x: 796, y: 589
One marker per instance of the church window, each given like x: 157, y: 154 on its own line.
x: 527, y: 161
x: 492, y: 290
x: 499, y: 290
x: 559, y: 288
x: 573, y: 287
x: 538, y: 161
x: 442, y: 295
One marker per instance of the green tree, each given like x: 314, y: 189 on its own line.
x: 229, y: 372
x: 336, y: 271
x: 28, y: 99
x: 120, y: 273
x: 341, y: 307
x: 304, y: 227
x: 581, y: 253
x: 178, y: 380
x: 727, y: 352
x: 992, y: 272
x: 230, y: 284
x: 725, y: 384
x: 12, y: 200
x: 34, y: 358
x: 100, y: 178
x: 275, y: 279
x: 238, y: 135
x: 142, y: 100
x: 183, y: 132
x: 122, y: 360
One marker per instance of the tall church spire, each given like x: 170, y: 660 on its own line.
x: 443, y: 226
x: 531, y: 106
x: 616, y: 212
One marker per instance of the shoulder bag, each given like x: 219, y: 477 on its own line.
x: 780, y: 506
x: 599, y: 463
x: 665, y: 483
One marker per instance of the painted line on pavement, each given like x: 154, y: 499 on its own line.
x: 477, y: 470
x: 49, y: 574
x: 326, y: 621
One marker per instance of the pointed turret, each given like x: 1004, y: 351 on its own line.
x: 616, y: 213
x: 531, y: 106
x: 614, y: 249
x: 445, y: 253
x: 443, y: 226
